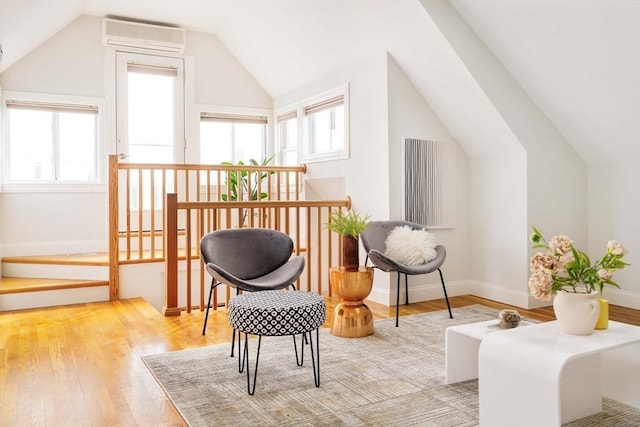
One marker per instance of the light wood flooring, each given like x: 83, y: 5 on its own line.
x: 80, y: 365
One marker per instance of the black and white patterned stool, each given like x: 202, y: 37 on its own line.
x: 278, y: 313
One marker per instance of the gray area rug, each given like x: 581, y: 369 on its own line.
x: 394, y: 377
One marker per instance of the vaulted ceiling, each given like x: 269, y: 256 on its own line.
x: 578, y: 61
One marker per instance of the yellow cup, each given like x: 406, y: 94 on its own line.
x: 603, y: 318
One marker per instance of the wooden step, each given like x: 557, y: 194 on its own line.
x: 100, y: 259
x: 88, y: 259
x: 14, y: 285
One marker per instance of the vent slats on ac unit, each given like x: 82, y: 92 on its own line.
x: 142, y: 36
x: 430, y: 182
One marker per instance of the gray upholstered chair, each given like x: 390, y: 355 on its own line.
x: 374, y: 238
x: 249, y: 259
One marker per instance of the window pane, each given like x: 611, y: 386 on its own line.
x: 215, y: 142
x: 325, y: 131
x: 77, y: 146
x: 288, y: 131
x: 289, y: 158
x: 52, y: 144
x: 151, y: 118
x: 30, y: 145
x: 248, y: 141
x: 231, y: 142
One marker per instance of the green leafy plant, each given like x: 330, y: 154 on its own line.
x: 347, y: 222
x: 239, y: 181
x: 563, y: 267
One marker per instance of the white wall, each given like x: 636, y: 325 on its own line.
x: 497, y: 224
x: 365, y: 175
x: 614, y: 213
x: 384, y: 107
x: 366, y: 171
x: 70, y: 63
x: 555, y: 185
x: 219, y: 78
x: 411, y: 116
x: 73, y: 62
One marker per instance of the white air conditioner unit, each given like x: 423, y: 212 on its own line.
x: 142, y: 36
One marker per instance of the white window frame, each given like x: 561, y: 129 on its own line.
x: 54, y: 186
x: 219, y: 110
x: 122, y: 59
x: 290, y: 110
x: 304, y: 155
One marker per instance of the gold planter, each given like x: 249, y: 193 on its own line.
x: 351, y: 317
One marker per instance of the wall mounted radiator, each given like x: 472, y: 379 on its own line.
x: 429, y: 182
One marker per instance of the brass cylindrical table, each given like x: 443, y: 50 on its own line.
x: 351, y: 317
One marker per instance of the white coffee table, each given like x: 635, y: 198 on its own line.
x: 461, y: 348
x: 539, y: 376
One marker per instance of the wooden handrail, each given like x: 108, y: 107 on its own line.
x: 321, y: 251
x: 137, y: 202
x: 159, y: 212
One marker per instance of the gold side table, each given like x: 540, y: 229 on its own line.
x: 351, y: 317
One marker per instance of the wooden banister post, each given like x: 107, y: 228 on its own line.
x: 114, y: 261
x: 171, y: 256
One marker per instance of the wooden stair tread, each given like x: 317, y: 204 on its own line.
x: 13, y: 285
x: 91, y: 259
x: 99, y: 259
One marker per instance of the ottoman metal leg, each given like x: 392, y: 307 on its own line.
x: 315, y: 358
x: 245, y: 359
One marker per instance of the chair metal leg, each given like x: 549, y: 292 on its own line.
x: 233, y: 341
x: 445, y: 294
x: 245, y: 358
x: 397, y: 298
x: 206, y: 316
x: 406, y: 289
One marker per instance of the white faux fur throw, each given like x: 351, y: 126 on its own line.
x: 410, y: 247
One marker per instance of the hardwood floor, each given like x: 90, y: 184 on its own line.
x: 80, y: 365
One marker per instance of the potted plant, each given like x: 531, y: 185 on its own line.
x: 239, y: 183
x: 349, y: 224
x: 567, y: 272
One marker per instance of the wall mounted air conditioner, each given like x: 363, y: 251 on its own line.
x: 142, y: 36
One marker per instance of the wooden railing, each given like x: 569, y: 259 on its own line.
x: 137, y: 205
x: 187, y: 222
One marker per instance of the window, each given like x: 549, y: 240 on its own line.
x: 51, y: 141
x: 150, y: 113
x: 149, y: 121
x: 326, y: 131
x: 287, y: 137
x: 232, y: 138
x: 150, y: 108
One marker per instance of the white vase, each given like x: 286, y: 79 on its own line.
x: 577, y: 313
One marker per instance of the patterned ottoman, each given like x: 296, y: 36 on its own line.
x: 278, y: 313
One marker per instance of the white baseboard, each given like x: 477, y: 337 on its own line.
x: 53, y: 248
x: 417, y: 293
x: 622, y: 298
x: 521, y: 299
x: 497, y: 293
